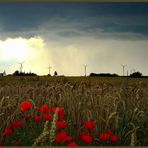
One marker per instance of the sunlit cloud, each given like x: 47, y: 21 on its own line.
x: 31, y: 51
x: 69, y: 58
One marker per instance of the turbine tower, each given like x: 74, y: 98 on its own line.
x: 21, y: 66
x: 85, y: 66
x: 49, y: 68
x: 123, y: 67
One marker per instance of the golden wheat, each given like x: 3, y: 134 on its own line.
x: 43, y: 136
x: 103, y: 100
x: 53, y: 127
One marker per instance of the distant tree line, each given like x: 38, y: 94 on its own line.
x: 103, y: 75
x: 134, y: 75
x: 17, y: 73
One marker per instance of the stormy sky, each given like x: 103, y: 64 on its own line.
x: 69, y: 35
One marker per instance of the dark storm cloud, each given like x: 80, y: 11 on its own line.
x: 74, y: 19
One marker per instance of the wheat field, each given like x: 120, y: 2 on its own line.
x: 117, y: 104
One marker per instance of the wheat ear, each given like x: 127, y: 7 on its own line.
x: 110, y: 117
x: 53, y: 127
x: 43, y: 135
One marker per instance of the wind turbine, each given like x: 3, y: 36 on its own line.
x: 123, y: 66
x: 49, y: 68
x: 85, y: 66
x: 21, y: 66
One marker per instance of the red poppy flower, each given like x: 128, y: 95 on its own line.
x: 26, y: 105
x: 67, y: 139
x: 109, y: 132
x: 87, y: 139
x: 60, y: 137
x: 81, y: 134
x: 48, y: 117
x: 104, y: 137
x: 90, y: 125
x: 37, y: 118
x: 7, y: 131
x: 114, y: 138
x: 17, y: 124
x: 61, y: 116
x: 73, y: 144
x: 60, y: 112
x: 61, y: 124
x: 44, y: 109
x: 53, y: 109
